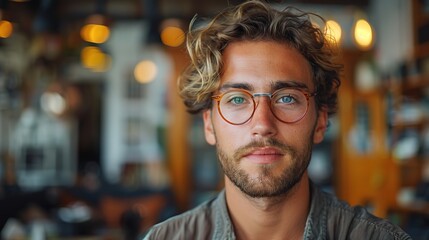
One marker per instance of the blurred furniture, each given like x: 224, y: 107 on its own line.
x: 44, y: 150
x: 149, y: 208
x: 363, y: 170
x: 118, y: 207
x: 411, y: 124
x: 387, y: 170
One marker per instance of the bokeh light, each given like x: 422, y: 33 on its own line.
x: 95, y: 33
x: 94, y: 59
x: 363, y: 34
x: 172, y: 33
x: 172, y: 36
x: 145, y: 71
x: 333, y: 31
x: 6, y: 29
x: 53, y: 102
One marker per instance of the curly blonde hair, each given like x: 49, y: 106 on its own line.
x: 255, y: 20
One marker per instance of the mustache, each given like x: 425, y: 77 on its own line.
x: 269, y: 142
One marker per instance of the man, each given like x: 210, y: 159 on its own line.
x: 265, y: 82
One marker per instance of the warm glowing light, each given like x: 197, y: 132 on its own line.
x: 145, y: 71
x: 6, y: 29
x: 172, y: 36
x: 93, y: 58
x: 53, y: 102
x: 333, y: 31
x: 95, y: 33
x: 363, y: 34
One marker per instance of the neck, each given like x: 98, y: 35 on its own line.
x: 271, y: 217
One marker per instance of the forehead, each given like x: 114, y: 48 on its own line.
x: 263, y: 64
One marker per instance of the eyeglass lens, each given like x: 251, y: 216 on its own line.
x: 238, y: 106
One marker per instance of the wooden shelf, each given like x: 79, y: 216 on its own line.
x: 421, y: 50
x: 415, y: 161
x: 418, y: 207
x: 415, y: 83
x: 410, y: 172
x: 420, y: 123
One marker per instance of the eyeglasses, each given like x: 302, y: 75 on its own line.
x: 288, y: 105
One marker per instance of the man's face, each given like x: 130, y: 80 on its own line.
x: 264, y: 157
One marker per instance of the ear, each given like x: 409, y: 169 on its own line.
x: 321, y: 126
x: 208, y: 127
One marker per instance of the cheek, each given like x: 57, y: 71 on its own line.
x: 220, y: 133
x: 293, y: 135
x: 229, y: 137
x: 301, y: 133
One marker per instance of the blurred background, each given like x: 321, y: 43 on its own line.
x: 96, y: 144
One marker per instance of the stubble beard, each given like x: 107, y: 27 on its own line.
x: 267, y: 184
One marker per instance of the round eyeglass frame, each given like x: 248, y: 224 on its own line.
x: 218, y: 99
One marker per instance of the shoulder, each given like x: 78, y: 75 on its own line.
x: 356, y: 222
x: 196, y: 223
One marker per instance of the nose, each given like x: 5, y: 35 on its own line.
x: 263, y: 120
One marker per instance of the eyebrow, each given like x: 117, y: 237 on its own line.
x: 244, y: 86
x: 289, y: 84
x: 276, y: 85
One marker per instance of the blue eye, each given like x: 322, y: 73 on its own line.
x: 286, y: 99
x: 237, y: 100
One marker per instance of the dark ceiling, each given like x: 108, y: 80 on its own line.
x: 40, y: 15
x: 136, y: 8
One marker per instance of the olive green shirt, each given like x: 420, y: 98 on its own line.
x: 329, y: 218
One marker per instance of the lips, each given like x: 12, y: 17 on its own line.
x: 264, y: 155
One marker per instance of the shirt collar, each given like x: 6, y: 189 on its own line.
x: 223, y: 226
x: 315, y: 227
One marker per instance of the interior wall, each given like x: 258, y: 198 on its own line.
x: 131, y: 122
x: 392, y: 20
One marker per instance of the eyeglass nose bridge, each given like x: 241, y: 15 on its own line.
x: 256, y: 103
x: 254, y: 95
x: 270, y: 95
